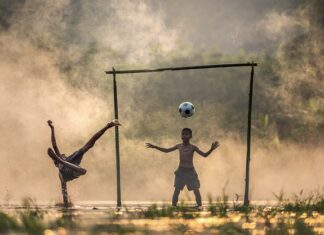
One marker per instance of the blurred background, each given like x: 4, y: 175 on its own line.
x: 53, y: 58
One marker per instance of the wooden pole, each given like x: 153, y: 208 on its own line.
x: 181, y: 68
x: 248, y: 151
x: 119, y: 204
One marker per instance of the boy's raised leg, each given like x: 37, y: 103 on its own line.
x: 96, y: 136
x: 175, y: 196
x: 198, y: 197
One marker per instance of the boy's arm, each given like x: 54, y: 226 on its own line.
x: 165, y: 150
x: 57, y: 151
x: 206, y: 154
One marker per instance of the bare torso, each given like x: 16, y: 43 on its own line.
x: 186, y: 153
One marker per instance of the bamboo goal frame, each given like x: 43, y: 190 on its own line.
x: 248, y: 136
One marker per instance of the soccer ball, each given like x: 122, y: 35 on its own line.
x: 186, y: 109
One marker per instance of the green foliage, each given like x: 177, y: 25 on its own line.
x: 280, y: 197
x: 302, y: 228
x: 180, y: 228
x: 221, y: 100
x: 282, y: 228
x: 232, y: 229
x: 288, y: 100
x: 306, y: 204
x: 302, y: 203
x: 221, y: 206
x: 114, y: 228
x: 180, y: 211
x: 8, y: 223
x: 218, y: 208
x: 65, y: 221
x: 155, y: 212
x: 31, y: 217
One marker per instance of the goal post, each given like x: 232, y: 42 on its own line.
x: 114, y: 73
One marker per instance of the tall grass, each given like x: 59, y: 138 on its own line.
x: 302, y: 203
x: 8, y: 223
x: 180, y: 211
x: 31, y: 217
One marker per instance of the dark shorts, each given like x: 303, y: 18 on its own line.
x: 186, y: 177
x: 67, y: 173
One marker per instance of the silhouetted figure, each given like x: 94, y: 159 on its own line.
x: 186, y: 174
x: 69, y: 168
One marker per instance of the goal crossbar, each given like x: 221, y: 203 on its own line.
x: 180, y: 68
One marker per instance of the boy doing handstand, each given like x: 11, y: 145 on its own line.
x: 69, y: 167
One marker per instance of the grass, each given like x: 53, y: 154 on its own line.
x: 114, y: 228
x: 30, y: 220
x: 65, y: 221
x: 154, y: 211
x: 306, y: 204
x: 180, y: 211
x: 299, y: 227
x: 231, y: 229
x: 218, y: 208
x: 302, y: 228
x: 32, y: 217
x: 302, y: 203
x: 180, y: 228
x: 222, y: 206
x: 8, y: 223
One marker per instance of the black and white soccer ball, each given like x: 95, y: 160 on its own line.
x: 186, y: 109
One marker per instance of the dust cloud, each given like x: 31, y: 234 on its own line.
x: 52, y: 61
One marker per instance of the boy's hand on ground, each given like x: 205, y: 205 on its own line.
x: 214, y: 145
x: 50, y: 123
x: 149, y: 145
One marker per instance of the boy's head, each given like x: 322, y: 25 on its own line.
x: 186, y: 134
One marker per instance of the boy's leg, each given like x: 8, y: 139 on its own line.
x: 96, y: 136
x: 175, y: 196
x: 77, y: 168
x: 198, y: 196
x: 52, y: 155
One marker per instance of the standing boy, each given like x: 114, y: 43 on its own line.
x: 186, y: 174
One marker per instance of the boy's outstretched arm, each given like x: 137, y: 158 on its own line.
x: 57, y: 151
x: 165, y: 150
x: 212, y: 148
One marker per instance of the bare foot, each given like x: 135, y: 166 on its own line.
x: 115, y: 122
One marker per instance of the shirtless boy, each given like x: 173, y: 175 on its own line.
x: 69, y: 167
x: 186, y: 174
